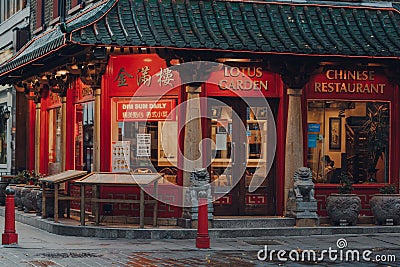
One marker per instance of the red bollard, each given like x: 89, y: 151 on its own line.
x: 202, y: 239
x: 10, y: 236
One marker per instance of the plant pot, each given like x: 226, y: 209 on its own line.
x: 29, y: 196
x: 343, y: 209
x: 18, y: 196
x: 386, y: 208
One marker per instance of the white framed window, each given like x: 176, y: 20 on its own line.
x: 10, y: 7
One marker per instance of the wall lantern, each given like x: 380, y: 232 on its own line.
x: 5, y: 113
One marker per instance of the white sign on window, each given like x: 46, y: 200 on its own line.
x: 120, y: 156
x: 143, y: 148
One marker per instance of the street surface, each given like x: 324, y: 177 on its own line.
x: 39, y: 248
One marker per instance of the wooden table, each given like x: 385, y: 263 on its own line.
x: 97, y: 179
x: 56, y: 180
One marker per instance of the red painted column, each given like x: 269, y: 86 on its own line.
x: 202, y: 239
x: 9, y: 236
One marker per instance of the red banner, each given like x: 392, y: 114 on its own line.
x: 146, y: 110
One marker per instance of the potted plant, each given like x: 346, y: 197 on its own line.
x: 376, y: 129
x: 343, y: 208
x: 386, y: 206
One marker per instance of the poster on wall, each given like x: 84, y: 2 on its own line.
x: 335, y: 134
x: 120, y: 156
x: 143, y: 145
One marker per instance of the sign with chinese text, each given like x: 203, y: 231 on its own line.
x: 146, y: 110
x: 142, y: 75
x: 120, y: 156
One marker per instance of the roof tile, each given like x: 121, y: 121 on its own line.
x: 273, y: 27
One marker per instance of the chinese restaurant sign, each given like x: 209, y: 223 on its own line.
x: 147, y: 71
x: 243, y: 81
x: 349, y: 83
x: 145, y: 110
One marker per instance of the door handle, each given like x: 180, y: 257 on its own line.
x: 245, y: 154
x: 233, y: 153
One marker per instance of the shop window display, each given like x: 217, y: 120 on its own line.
x: 54, y: 140
x: 144, y: 143
x: 348, y: 136
x: 84, y: 123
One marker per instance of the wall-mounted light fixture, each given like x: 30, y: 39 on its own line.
x: 5, y: 112
x: 4, y: 116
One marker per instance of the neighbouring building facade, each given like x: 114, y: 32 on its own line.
x: 14, y: 32
x: 321, y: 78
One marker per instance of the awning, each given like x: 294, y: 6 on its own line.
x: 334, y: 29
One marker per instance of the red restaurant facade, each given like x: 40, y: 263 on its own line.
x: 115, y: 105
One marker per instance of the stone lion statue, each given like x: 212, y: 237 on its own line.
x: 303, y: 185
x: 199, y: 186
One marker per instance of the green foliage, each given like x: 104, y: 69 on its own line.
x: 388, y: 189
x: 26, y: 177
x: 346, y: 183
x: 376, y: 128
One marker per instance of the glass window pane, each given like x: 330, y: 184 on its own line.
x: 348, y: 136
x: 54, y: 140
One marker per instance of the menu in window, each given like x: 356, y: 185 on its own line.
x: 120, y: 156
x: 143, y: 145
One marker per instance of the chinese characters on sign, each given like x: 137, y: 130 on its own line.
x: 121, y: 77
x: 165, y: 77
x: 145, y: 110
x: 120, y: 156
x: 143, y: 145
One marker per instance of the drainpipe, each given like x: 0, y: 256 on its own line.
x: 61, y: 10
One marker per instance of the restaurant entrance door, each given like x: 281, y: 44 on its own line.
x: 239, y: 150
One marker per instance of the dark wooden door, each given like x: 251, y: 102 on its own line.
x: 240, y: 147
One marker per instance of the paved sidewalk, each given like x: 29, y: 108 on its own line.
x: 39, y: 248
x: 69, y: 227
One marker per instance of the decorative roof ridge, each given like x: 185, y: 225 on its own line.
x: 93, y: 14
x: 334, y: 4
x: 25, y: 46
x: 396, y: 6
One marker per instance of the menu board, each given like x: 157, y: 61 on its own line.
x: 143, y: 145
x: 120, y: 156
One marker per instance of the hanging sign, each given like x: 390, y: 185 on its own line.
x: 146, y: 110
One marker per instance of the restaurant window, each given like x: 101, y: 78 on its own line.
x: 54, y: 140
x: 84, y: 122
x: 143, y: 138
x: 348, y: 136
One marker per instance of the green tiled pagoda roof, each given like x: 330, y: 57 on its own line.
x: 345, y: 29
